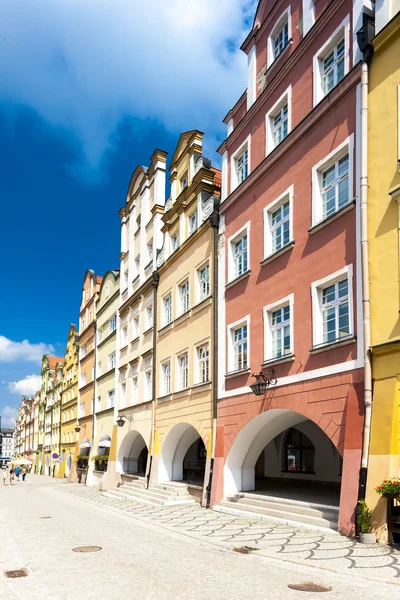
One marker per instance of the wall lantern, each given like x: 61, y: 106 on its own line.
x: 259, y: 387
x: 77, y: 429
x: 122, y: 418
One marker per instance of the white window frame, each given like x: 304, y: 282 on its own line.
x: 148, y: 380
x: 150, y: 251
x: 245, y: 146
x: 346, y: 147
x: 124, y: 336
x: 137, y: 265
x: 166, y: 373
x: 200, y: 295
x: 245, y: 230
x: 179, y: 371
x: 149, y: 308
x: 231, y: 355
x: 112, y: 324
x: 268, y: 328
x: 343, y: 31
x: 126, y: 278
x: 285, y: 16
x: 134, y: 389
x: 112, y: 358
x: 111, y: 399
x: 316, y: 296
x: 83, y: 379
x: 184, y: 181
x: 167, y: 311
x: 98, y: 404
x: 174, y: 236
x: 191, y: 228
x: 136, y: 326
x: 182, y: 309
x: 123, y: 393
x: 199, y: 362
x: 286, y: 98
x: 286, y: 196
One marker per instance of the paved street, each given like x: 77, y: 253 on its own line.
x: 161, y: 553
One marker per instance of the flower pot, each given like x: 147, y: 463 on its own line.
x: 368, y: 538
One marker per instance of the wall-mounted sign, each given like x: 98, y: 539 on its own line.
x: 55, y: 455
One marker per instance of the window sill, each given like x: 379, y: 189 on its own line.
x: 233, y: 374
x: 278, y: 253
x: 181, y: 393
x: 182, y: 317
x: 165, y: 328
x: 238, y: 279
x: 201, y: 387
x: 164, y: 398
x: 282, y: 53
x: 135, y: 339
x: 333, y: 345
x: 149, y: 330
x: 125, y: 347
x: 333, y: 217
x: 202, y: 304
x: 277, y: 361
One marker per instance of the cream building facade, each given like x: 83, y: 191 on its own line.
x: 69, y: 402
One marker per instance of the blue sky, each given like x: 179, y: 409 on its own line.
x: 89, y: 89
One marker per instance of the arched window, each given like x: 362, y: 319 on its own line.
x: 299, y: 453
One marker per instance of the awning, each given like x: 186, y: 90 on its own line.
x: 85, y: 445
x: 105, y: 444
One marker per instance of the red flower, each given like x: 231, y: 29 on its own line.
x: 395, y: 483
x: 385, y: 481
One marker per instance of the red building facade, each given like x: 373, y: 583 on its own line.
x: 290, y: 265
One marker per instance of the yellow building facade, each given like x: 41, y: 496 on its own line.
x: 69, y: 402
x: 384, y: 265
x: 56, y: 420
x: 184, y: 382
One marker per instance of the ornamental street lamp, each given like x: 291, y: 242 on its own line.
x: 122, y: 418
x: 259, y: 387
x: 77, y: 429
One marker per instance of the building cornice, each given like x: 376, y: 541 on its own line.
x: 385, y: 35
x: 313, y: 119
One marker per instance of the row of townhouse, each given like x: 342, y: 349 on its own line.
x: 247, y: 348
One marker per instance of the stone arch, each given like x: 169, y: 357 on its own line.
x: 173, y: 451
x: 132, y: 447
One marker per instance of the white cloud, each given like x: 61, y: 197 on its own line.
x: 17, y: 351
x: 8, y: 414
x: 84, y: 64
x: 25, y: 387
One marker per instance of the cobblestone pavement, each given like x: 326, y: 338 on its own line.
x: 153, y: 554
x: 332, y: 552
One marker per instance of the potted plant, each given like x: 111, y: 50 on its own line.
x: 389, y: 488
x: 365, y: 523
x: 82, y: 461
x: 100, y: 462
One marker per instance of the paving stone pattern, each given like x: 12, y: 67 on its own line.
x: 311, y: 548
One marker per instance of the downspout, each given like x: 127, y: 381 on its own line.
x: 365, y: 277
x: 156, y: 279
x: 214, y: 222
x: 94, y: 392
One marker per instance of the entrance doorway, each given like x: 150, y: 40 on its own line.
x: 133, y: 454
x: 183, y: 456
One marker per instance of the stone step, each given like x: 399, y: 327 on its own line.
x: 322, y: 513
x: 148, y: 497
x: 170, y: 489
x: 289, y: 501
x: 278, y: 516
x: 153, y: 494
x: 117, y: 495
x: 134, y: 485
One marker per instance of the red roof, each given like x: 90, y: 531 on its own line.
x: 218, y: 177
x: 53, y: 360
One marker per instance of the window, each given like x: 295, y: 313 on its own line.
x: 174, y: 242
x: 278, y: 329
x: 134, y: 389
x: 184, y: 296
x: 167, y: 309
x: 204, y: 282
x: 111, y: 361
x: 123, y: 393
x: 240, y: 255
x: 137, y: 265
x: 126, y: 275
x: 280, y: 125
x: 278, y: 121
x: 333, y: 308
x: 335, y: 187
x: 138, y: 221
x: 98, y: 404
x: 166, y: 378
x: 98, y: 367
x: 83, y: 379
x: 279, y: 37
x: 150, y: 251
x: 84, y: 351
x: 242, y: 166
x: 278, y: 223
x: 183, y: 369
x: 99, y: 335
x: 333, y: 67
x: 299, y: 452
x: 125, y: 336
x: 136, y: 328
x: 331, y: 63
x: 110, y: 399
x: 149, y: 316
x: 107, y: 292
x: 149, y: 386
x: 204, y: 363
x: 239, y: 335
x: 332, y: 182
x: 192, y: 222
x: 82, y: 410
x: 112, y: 324
x: 184, y: 181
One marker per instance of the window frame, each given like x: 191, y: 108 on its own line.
x: 165, y: 320
x: 166, y: 390
x: 268, y: 328
x: 200, y: 361
x: 278, y: 26
x: 246, y: 145
x: 112, y: 324
x: 112, y: 357
x: 194, y: 214
x: 245, y: 230
x: 316, y: 296
x: 179, y: 357
x: 148, y: 380
x: 231, y: 357
x: 199, y: 269
x: 346, y: 147
x: 286, y: 196
x: 173, y: 236
x: 343, y: 31
x: 285, y: 98
x: 111, y: 394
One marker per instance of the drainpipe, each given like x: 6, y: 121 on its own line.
x: 365, y: 278
x: 156, y: 279
x: 94, y: 391
x: 214, y: 222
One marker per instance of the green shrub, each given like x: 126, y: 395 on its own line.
x: 364, y: 517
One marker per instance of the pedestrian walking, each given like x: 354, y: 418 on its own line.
x: 23, y: 473
x: 4, y: 475
x: 17, y: 472
x: 12, y: 476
